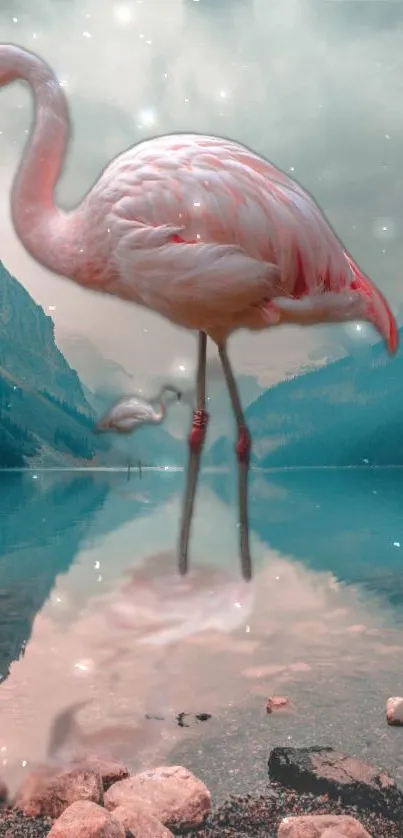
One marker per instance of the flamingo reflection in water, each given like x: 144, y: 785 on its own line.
x: 158, y: 609
x: 154, y: 609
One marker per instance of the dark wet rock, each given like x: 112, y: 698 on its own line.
x: 181, y: 719
x: 323, y: 771
x: 200, y: 717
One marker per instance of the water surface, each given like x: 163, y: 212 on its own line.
x: 92, y: 609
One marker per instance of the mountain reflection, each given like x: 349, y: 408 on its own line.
x: 43, y: 521
x: 347, y: 522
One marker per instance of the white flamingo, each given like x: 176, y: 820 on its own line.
x: 131, y: 412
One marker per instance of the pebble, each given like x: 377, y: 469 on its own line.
x: 394, y: 711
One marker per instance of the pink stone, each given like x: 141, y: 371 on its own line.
x: 110, y: 770
x: 174, y: 795
x: 49, y: 792
x: 87, y: 820
x: 321, y: 826
x: 137, y: 821
x: 276, y: 702
x: 394, y: 711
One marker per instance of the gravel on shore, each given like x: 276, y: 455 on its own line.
x: 14, y: 824
x: 258, y: 816
x: 248, y: 816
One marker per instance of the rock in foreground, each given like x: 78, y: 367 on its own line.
x: 325, y: 771
x: 86, y: 820
x: 140, y: 823
x: 110, y: 770
x: 322, y: 826
x: 47, y: 792
x: 175, y: 796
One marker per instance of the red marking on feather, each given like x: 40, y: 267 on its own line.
x: 326, y: 279
x: 363, y: 285
x: 179, y: 240
x: 300, y: 287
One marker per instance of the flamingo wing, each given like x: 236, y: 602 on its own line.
x: 196, y: 283
x: 189, y: 232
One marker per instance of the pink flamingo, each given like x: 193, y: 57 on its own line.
x: 197, y: 228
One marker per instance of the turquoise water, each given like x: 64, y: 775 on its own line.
x: 92, y: 608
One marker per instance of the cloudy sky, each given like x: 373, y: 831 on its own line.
x: 316, y: 87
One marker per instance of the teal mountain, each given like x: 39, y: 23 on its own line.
x: 347, y: 413
x: 46, y: 414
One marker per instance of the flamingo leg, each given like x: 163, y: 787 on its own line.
x: 243, y: 454
x: 195, y: 443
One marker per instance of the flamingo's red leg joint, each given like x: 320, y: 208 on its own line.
x: 198, y: 433
x: 243, y: 445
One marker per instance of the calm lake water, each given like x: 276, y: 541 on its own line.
x: 92, y: 610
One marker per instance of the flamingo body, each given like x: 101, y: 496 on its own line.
x: 214, y: 238
x: 197, y: 228
x: 132, y: 412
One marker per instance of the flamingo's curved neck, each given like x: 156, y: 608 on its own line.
x: 44, y: 230
x: 160, y: 412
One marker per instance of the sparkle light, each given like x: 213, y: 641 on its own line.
x: 85, y: 665
x: 123, y: 13
x: 384, y: 228
x: 147, y: 117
